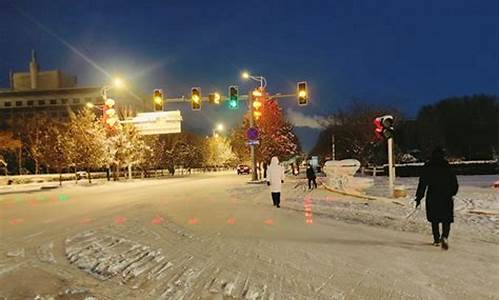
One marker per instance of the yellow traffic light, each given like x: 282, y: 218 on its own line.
x: 196, y: 98
x: 216, y: 98
x: 158, y: 100
x: 257, y: 93
x: 258, y: 96
x: 302, y: 93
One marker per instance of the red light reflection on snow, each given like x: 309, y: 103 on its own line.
x: 16, y: 221
x: 231, y: 221
x: 269, y: 221
x: 157, y: 220
x: 120, y: 220
x: 193, y: 221
x: 308, y: 210
x: 329, y: 198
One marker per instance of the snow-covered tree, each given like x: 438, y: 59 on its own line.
x: 87, y: 148
x: 57, y: 147
x: 33, y: 133
x: 219, y: 152
x: 276, y: 135
x: 126, y: 147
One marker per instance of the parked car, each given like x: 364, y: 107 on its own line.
x: 243, y: 169
x: 81, y: 174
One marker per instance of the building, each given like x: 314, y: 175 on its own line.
x: 54, y: 94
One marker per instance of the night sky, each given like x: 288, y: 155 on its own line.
x: 400, y: 53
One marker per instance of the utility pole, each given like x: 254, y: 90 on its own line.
x: 391, y: 165
x: 333, y: 146
x: 252, y: 146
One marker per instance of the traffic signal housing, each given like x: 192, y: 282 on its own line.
x: 158, y: 100
x: 196, y: 98
x: 233, y: 97
x: 258, y: 96
x: 214, y: 98
x: 109, y: 114
x: 302, y: 93
x: 384, y: 126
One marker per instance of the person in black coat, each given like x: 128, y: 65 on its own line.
x: 311, y: 176
x: 441, y: 185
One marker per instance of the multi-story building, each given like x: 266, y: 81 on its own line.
x: 53, y: 93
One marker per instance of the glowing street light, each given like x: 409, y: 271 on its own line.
x: 261, y: 79
x: 218, y: 128
x: 90, y: 105
x: 118, y: 83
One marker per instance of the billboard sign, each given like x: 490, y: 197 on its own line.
x: 158, y: 122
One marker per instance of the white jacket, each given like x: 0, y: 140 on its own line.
x: 275, y: 174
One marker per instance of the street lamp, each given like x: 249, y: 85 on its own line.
x: 261, y: 79
x: 218, y: 128
x: 117, y: 83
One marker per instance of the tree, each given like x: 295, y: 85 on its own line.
x: 9, y: 144
x: 55, y: 151
x: 353, y: 130
x: 219, y: 152
x: 127, y: 147
x: 32, y: 131
x: 466, y: 126
x: 87, y: 148
x: 276, y: 135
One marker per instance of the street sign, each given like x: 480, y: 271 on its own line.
x: 252, y: 142
x: 159, y: 122
x: 252, y: 133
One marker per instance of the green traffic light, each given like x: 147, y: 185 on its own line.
x: 233, y: 104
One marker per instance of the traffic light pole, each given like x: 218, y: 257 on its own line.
x: 252, y: 146
x: 392, y: 172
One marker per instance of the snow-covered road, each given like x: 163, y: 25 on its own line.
x: 216, y: 237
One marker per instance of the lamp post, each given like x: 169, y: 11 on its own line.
x: 263, y: 84
x: 117, y: 83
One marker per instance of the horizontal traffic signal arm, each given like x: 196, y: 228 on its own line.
x: 225, y: 98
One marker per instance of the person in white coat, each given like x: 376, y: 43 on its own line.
x: 275, y: 177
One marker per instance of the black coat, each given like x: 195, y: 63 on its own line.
x: 441, y: 185
x: 310, y: 173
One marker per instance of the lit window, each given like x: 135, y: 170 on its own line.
x: 64, y: 101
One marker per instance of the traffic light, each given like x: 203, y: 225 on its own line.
x: 109, y: 113
x: 302, y: 95
x: 233, y: 97
x: 158, y: 100
x: 384, y: 126
x: 214, y: 98
x: 378, y: 127
x: 258, y: 96
x: 196, y: 98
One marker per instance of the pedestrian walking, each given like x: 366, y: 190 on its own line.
x: 275, y: 177
x: 311, y: 176
x: 441, y: 185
